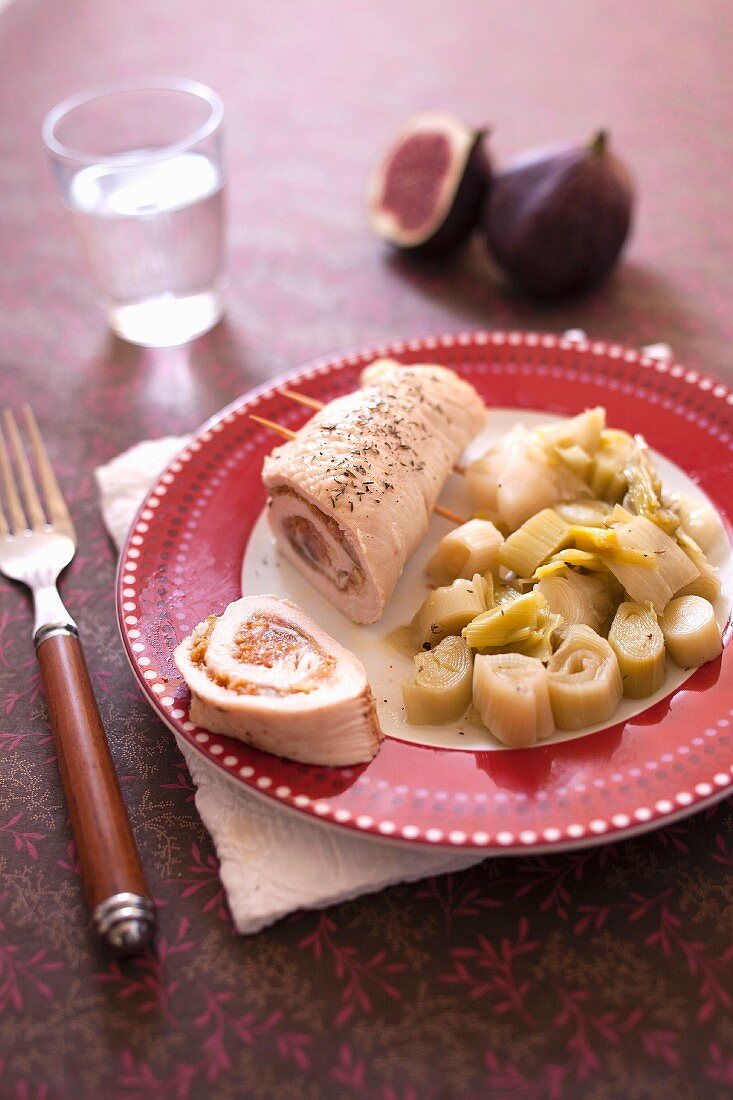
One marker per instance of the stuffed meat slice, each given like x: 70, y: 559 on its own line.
x: 351, y: 495
x: 265, y: 673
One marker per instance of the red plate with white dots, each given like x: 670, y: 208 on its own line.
x: 183, y: 560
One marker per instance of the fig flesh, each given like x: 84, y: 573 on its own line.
x: 556, y: 221
x: 425, y: 195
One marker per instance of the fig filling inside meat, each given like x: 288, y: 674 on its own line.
x: 323, y: 548
x: 265, y: 657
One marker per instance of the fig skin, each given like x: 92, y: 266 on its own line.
x: 556, y: 221
x: 457, y: 203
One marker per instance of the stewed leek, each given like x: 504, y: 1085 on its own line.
x: 470, y: 548
x: 583, y: 679
x: 510, y: 622
x: 577, y: 597
x: 440, y: 690
x: 673, y: 568
x: 534, y: 542
x: 575, y: 532
x: 691, y: 632
x: 511, y: 696
x: 638, y: 643
x: 449, y: 608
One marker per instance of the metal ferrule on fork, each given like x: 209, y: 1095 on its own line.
x: 52, y: 630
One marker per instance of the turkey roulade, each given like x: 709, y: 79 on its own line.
x: 264, y: 672
x: 351, y: 495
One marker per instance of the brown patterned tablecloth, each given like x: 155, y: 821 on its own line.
x: 601, y: 973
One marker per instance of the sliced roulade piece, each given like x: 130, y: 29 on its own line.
x: 265, y: 673
x: 351, y: 495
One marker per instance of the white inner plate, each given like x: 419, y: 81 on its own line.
x: 265, y: 572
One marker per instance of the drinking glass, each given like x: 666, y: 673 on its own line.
x: 139, y: 165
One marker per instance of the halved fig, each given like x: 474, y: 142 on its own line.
x: 266, y: 673
x: 426, y: 193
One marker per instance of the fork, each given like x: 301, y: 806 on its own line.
x: 35, y: 546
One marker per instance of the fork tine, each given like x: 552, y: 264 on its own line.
x: 16, y: 516
x: 55, y: 503
x: 36, y: 516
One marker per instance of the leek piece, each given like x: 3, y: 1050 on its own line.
x: 644, y: 487
x: 699, y: 521
x: 604, y: 542
x: 673, y: 568
x: 529, y: 479
x: 539, y: 642
x: 707, y: 584
x: 535, y: 541
x: 583, y: 679
x: 470, y: 548
x: 510, y: 694
x: 571, y: 558
x: 607, y: 480
x: 500, y: 625
x: 448, y: 609
x: 619, y: 514
x: 593, y: 539
x: 440, y: 690
x: 584, y: 513
x: 490, y: 589
x: 638, y: 643
x: 576, y: 459
x: 481, y: 479
x: 577, y: 598
x: 505, y: 593
x: 583, y: 430
x: 691, y: 632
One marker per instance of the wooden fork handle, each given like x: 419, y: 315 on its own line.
x: 114, y: 881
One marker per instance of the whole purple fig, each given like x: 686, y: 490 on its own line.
x: 555, y: 221
x: 425, y: 194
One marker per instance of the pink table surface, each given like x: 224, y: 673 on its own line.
x: 602, y: 973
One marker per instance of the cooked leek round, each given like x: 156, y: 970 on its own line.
x: 470, y: 548
x: 699, y: 521
x: 532, y: 543
x: 511, y: 697
x: 583, y: 430
x: 583, y: 679
x: 637, y: 641
x: 510, y: 622
x: 707, y: 584
x: 441, y: 685
x: 691, y: 632
x: 448, y: 609
x: 577, y: 597
x: 673, y: 567
x: 584, y: 513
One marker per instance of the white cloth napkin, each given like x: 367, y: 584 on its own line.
x: 272, y: 861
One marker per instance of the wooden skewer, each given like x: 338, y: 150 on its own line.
x: 302, y: 398
x: 286, y: 433
x: 312, y: 403
x: 447, y: 514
